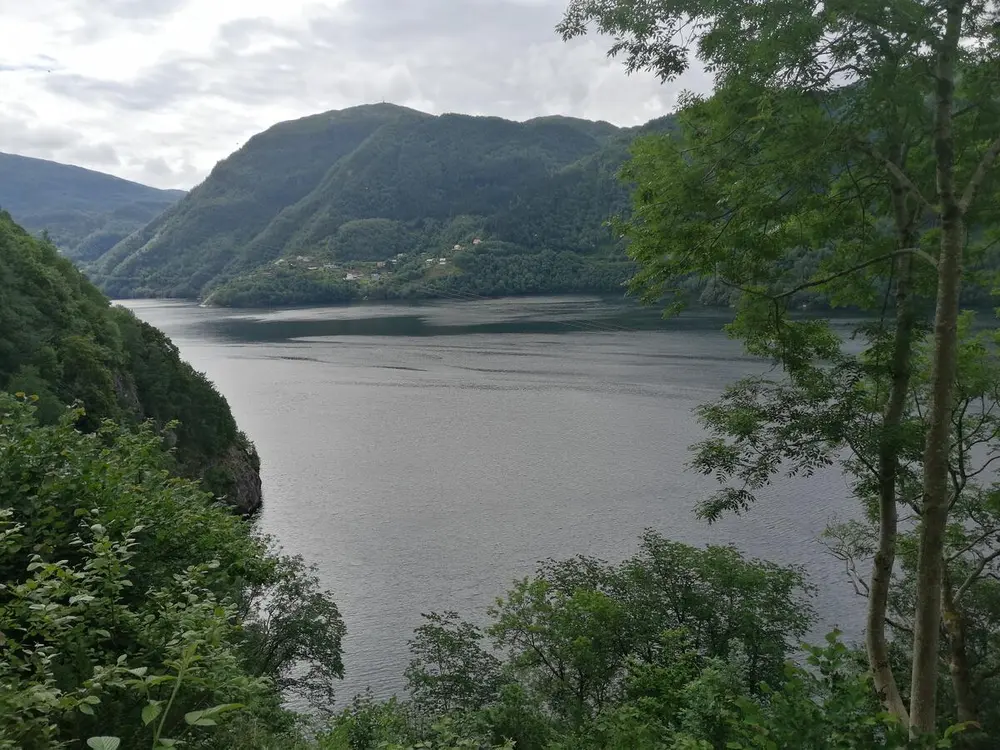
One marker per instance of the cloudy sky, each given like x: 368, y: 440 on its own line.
x: 159, y: 90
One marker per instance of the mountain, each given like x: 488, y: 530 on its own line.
x: 62, y: 342
x: 383, y: 201
x: 85, y: 213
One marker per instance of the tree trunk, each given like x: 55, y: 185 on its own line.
x: 958, y: 661
x: 876, y: 643
x: 934, y: 515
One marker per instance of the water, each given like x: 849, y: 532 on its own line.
x: 425, y: 456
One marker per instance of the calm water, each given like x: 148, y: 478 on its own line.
x: 424, y: 456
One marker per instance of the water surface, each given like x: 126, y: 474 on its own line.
x: 424, y: 456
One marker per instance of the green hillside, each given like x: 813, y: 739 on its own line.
x: 366, y: 202
x: 62, y: 341
x: 85, y: 213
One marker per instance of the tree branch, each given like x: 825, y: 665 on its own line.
x: 977, y: 571
x: 979, y: 175
x: 978, y: 540
x: 900, y: 176
x: 833, y: 277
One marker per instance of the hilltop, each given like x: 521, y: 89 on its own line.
x: 367, y: 201
x: 84, y: 212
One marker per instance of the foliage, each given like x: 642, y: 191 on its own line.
x: 676, y: 648
x: 62, y: 341
x: 863, y: 134
x: 134, y: 607
x: 572, y: 631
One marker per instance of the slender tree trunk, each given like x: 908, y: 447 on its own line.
x: 876, y: 643
x: 958, y: 660
x: 934, y: 515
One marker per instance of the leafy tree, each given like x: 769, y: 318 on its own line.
x: 450, y: 669
x: 863, y: 129
x: 675, y: 648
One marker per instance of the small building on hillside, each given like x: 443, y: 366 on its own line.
x: 476, y: 241
x: 380, y: 264
x: 351, y: 277
x: 457, y: 247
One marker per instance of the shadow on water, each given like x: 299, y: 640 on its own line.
x: 419, y: 324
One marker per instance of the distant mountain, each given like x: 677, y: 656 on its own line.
x: 314, y: 209
x: 85, y: 213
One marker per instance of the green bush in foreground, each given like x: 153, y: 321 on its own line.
x: 134, y: 610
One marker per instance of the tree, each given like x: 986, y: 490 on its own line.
x: 133, y: 606
x: 861, y: 129
x: 675, y: 648
x: 572, y: 633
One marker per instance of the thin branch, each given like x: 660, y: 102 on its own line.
x: 977, y: 571
x: 979, y: 175
x: 896, y: 625
x: 984, y: 467
x: 978, y: 540
x: 833, y: 277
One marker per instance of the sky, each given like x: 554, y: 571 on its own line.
x: 158, y: 91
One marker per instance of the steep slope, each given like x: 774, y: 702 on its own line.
x: 187, y: 247
x: 369, y: 183
x: 85, y: 212
x: 62, y: 341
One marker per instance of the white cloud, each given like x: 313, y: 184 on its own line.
x: 159, y: 90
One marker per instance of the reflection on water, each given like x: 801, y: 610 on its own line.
x: 423, y: 456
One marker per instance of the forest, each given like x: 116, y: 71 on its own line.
x: 369, y: 183
x: 846, y: 151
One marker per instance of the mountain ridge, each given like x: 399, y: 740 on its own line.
x: 367, y: 183
x: 85, y: 212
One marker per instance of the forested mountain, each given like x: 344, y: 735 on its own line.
x: 63, y: 343
x: 85, y: 212
x: 297, y: 213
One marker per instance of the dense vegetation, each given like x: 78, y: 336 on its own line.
x: 325, y: 193
x: 849, y: 150
x: 62, y: 341
x: 135, y: 611
x: 85, y: 213
x: 864, y: 138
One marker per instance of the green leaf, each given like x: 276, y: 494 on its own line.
x: 222, y: 708
x: 198, y: 719
x: 104, y: 743
x: 151, y: 711
x: 86, y: 708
